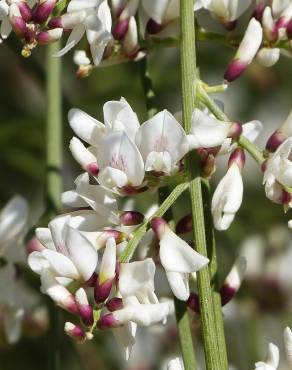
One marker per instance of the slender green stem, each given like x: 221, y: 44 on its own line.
x: 189, y: 81
x: 242, y: 141
x: 53, y: 178
x: 133, y: 243
x: 213, y: 268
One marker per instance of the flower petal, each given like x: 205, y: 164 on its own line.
x: 86, y: 127
x: 82, y: 252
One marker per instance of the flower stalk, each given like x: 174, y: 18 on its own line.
x: 53, y: 178
x: 189, y: 82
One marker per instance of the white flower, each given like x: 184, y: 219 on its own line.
x: 13, y: 220
x: 162, y: 143
x: 120, y: 162
x: 278, y: 171
x: 118, y: 116
x: 278, y: 6
x: 226, y: 11
x: 137, y: 279
x: 206, y: 131
x: 157, y: 14
x: 272, y: 361
x: 90, y: 17
x: 227, y: 197
x: 66, y: 254
x: 177, y: 258
x: 98, y: 198
x: 247, y: 50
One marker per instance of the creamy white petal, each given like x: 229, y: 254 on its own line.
x: 179, y: 284
x: 251, y: 42
x: 136, y: 276
x: 162, y: 133
x: 227, y: 198
x: 86, y: 127
x: 177, y: 256
x: 251, y: 130
x: 60, y: 265
x: 207, y: 132
x: 44, y: 236
x: 38, y: 262
x: 81, y: 154
x: 108, y: 262
x: 119, y: 116
x: 119, y: 152
x: 75, y: 36
x: 82, y: 253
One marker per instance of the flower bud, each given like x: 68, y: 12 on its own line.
x: 107, y: 321
x: 131, y: 218
x: 269, y: 26
x: 34, y: 245
x: 25, y: 10
x: 235, y: 130
x: 233, y: 280
x: 247, y: 50
x: 43, y: 10
x: 275, y: 140
x: 259, y: 10
x: 74, y: 331
x: 107, y: 272
x: 193, y: 302
x: 130, y: 41
x: 85, y: 310
x: 93, y: 169
x: 238, y: 157
x: 47, y: 37
x: 17, y: 22
x: 114, y: 304
x: 120, y: 29
x: 184, y: 225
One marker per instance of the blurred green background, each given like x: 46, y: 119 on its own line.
x: 263, y: 306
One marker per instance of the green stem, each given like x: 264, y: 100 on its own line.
x: 213, y: 268
x: 164, y: 207
x: 189, y: 81
x: 242, y: 141
x: 53, y: 178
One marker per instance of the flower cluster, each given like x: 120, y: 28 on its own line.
x: 270, y: 26
x: 112, y: 32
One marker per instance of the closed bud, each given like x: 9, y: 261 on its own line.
x: 74, y: 331
x: 235, y: 130
x: 43, y: 10
x: 47, y: 37
x: 107, y: 321
x: 193, y: 302
x: 25, y: 10
x: 259, y: 10
x: 233, y: 280
x: 120, y: 29
x: 269, y: 26
x: 238, y: 157
x: 131, y: 218
x: 153, y: 27
x: 85, y: 310
x: 17, y: 22
x: 114, y: 304
x: 275, y: 140
x: 247, y: 50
